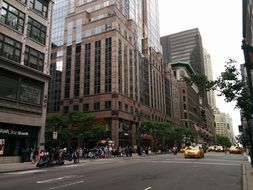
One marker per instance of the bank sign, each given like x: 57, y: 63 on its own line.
x: 13, y: 132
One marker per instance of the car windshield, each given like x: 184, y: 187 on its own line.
x: 192, y: 148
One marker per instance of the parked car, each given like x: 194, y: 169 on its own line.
x: 194, y: 152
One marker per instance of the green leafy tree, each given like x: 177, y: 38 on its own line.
x: 223, y: 141
x: 56, y: 123
x: 85, y: 127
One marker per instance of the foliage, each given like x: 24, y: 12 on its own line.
x: 56, y: 123
x: 229, y: 84
x: 165, y: 134
x: 223, y: 141
x: 243, y: 139
x: 75, y: 124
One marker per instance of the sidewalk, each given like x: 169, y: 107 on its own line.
x: 247, y: 176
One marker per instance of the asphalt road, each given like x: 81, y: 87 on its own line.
x: 216, y: 171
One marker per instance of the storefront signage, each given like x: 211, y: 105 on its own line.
x: 12, y: 132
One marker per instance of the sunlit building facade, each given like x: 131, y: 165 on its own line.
x: 24, y: 74
x: 110, y: 61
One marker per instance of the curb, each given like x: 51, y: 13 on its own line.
x: 244, y: 180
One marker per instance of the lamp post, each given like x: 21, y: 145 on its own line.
x: 248, y: 56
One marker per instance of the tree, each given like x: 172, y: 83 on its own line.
x: 223, y: 141
x: 85, y: 127
x: 229, y: 84
x: 56, y: 123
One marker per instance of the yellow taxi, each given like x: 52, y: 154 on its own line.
x: 236, y: 150
x: 194, y: 152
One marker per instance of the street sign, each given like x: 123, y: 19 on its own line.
x: 55, y: 135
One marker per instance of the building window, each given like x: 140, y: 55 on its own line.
x: 40, y: 6
x: 8, y: 86
x: 77, y: 70
x: 34, y: 58
x: 108, y: 105
x: 76, y: 107
x: 120, y: 106
x: 68, y: 72
x: 120, y: 66
x: 10, y: 48
x: 108, y: 65
x: 87, y: 70
x: 30, y: 93
x: 85, y: 107
x: 126, y: 107
x: 65, y: 110
x: 12, y: 17
x: 184, y: 98
x: 36, y: 31
x: 21, y: 89
x: 97, y: 69
x: 96, y: 106
x: 108, y: 27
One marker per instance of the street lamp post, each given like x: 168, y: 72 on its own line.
x: 248, y: 56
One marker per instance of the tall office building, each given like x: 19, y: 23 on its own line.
x: 111, y: 62
x: 24, y: 75
x: 186, y: 46
x: 209, y: 74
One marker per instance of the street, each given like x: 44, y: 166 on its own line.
x: 216, y: 171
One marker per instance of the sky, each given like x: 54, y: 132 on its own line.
x: 220, y: 26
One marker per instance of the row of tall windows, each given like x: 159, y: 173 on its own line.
x: 20, y: 89
x: 15, y: 19
x: 68, y: 72
x: 108, y: 65
x: 120, y: 66
x: 39, y: 6
x: 86, y: 107
x: 126, y: 70
x: 11, y: 49
x: 87, y: 69
x: 97, y: 70
x: 77, y: 70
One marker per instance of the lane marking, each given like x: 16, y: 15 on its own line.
x: 69, y: 166
x: 148, y: 188
x: 65, y: 185
x: 57, y: 179
x: 201, y: 163
x: 27, y: 172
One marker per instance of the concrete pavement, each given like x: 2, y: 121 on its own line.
x: 14, y: 167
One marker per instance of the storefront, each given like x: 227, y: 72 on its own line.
x: 17, y: 140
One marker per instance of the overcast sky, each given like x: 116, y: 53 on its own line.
x: 220, y: 26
